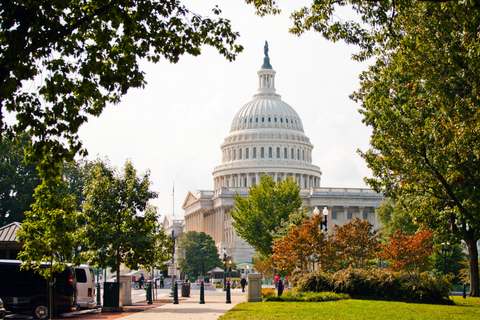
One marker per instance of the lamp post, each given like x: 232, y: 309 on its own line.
x: 325, y: 217
x: 248, y: 269
x: 230, y: 270
x: 445, y: 249
x: 224, y: 269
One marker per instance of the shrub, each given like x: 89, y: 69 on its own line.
x: 399, y: 286
x: 266, y: 293
x: 298, y: 296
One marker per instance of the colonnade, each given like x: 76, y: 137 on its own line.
x: 210, y: 221
x: 249, y: 179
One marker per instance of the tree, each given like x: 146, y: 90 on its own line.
x: 269, y: 205
x: 456, y: 258
x: 409, y: 252
x: 355, y: 244
x: 303, y: 244
x: 263, y: 265
x: 421, y: 99
x: 395, y: 216
x: 18, y: 180
x: 86, y: 55
x: 49, y: 233
x: 201, y: 254
x: 119, y: 227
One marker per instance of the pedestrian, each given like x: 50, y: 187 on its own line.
x: 236, y: 283
x: 162, y: 284
x: 141, y: 280
x: 243, y: 283
x: 275, y: 280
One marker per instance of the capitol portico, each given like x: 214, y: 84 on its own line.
x: 267, y: 138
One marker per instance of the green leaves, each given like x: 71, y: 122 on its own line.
x: 270, y: 208
x: 85, y: 55
x: 200, y: 254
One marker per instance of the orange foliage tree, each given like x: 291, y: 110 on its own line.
x: 408, y: 252
x: 293, y: 251
x: 355, y: 243
x: 264, y: 266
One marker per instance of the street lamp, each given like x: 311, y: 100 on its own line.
x: 230, y: 270
x: 325, y: 217
x: 445, y: 249
x: 248, y: 269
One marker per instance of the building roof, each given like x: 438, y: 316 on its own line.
x: 8, y: 233
x: 217, y: 269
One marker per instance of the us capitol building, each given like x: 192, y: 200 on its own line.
x: 266, y: 138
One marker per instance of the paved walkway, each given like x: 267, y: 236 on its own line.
x: 190, y: 308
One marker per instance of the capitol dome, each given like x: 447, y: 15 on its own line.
x: 266, y: 137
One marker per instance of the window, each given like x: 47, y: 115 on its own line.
x: 278, y: 152
x: 234, y: 154
x: 250, y: 120
x: 270, y: 152
x: 285, y: 153
x: 286, y: 119
x: 240, y: 154
x: 245, y: 120
x: 256, y: 119
x: 303, y: 155
x: 262, y: 153
x: 81, y: 275
x: 281, y: 120
x: 349, y: 216
x: 275, y: 119
x: 254, y: 153
x: 263, y: 119
x: 292, y: 155
x: 279, y: 179
x: 365, y: 216
x: 246, y: 154
x: 269, y: 119
x: 298, y: 154
x: 254, y: 180
x: 334, y: 215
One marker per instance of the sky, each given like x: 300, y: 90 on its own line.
x: 175, y: 125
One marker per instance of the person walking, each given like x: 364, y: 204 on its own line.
x: 243, y: 283
x: 141, y: 280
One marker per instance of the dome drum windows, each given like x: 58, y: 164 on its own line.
x: 262, y: 153
x: 247, y: 153
x: 278, y: 153
x: 254, y: 153
x: 270, y: 152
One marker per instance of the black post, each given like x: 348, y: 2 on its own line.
x: 175, y: 294
x: 224, y: 270
x: 228, y: 293
x: 279, y: 287
x: 202, y: 293
x: 148, y: 289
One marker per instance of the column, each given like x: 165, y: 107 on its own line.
x: 345, y: 214
x: 201, y: 220
x: 239, y: 181
x: 276, y: 176
x: 330, y: 217
x: 360, y: 209
x: 222, y: 217
x: 256, y: 178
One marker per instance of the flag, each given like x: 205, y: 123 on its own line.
x: 173, y: 191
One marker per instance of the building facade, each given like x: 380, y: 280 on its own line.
x: 267, y: 138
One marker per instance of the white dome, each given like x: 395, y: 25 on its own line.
x: 266, y: 137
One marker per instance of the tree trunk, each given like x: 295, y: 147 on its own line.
x: 473, y: 257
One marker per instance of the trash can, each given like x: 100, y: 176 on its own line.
x: 185, y: 289
x: 112, y: 295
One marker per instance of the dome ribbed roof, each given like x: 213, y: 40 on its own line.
x: 266, y: 112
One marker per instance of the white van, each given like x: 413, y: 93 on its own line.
x: 86, y: 297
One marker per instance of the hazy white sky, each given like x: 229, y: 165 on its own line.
x: 175, y: 126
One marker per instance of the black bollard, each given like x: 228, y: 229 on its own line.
x: 202, y: 293
x: 228, y: 293
x: 175, y: 294
x: 279, y: 287
x: 464, y: 291
x: 148, y: 291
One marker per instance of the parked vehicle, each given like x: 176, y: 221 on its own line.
x: 2, y: 310
x: 26, y: 290
x: 86, y: 297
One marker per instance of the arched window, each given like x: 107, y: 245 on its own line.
x: 234, y: 154
x: 250, y: 120
x: 278, y: 152
x: 303, y: 155
x: 262, y: 153
x: 286, y: 119
x: 254, y: 153
x: 263, y: 119
x: 275, y: 119
x: 240, y: 154
x: 270, y: 152
x: 229, y: 155
x: 269, y: 119
x: 298, y: 154
x: 292, y: 155
x: 281, y: 120
x: 285, y: 153
x: 256, y: 119
x: 245, y: 120
x: 246, y: 154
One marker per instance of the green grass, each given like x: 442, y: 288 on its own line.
x: 356, y: 309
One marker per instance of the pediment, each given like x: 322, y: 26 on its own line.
x: 190, y: 198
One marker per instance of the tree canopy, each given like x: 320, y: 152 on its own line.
x: 269, y: 205
x: 395, y: 216
x: 63, y: 61
x: 118, y: 224
x: 421, y: 98
x: 200, y: 254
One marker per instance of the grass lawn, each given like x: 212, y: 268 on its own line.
x: 468, y: 308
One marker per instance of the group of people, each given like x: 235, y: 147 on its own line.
x: 141, y: 281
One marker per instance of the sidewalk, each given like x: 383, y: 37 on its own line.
x: 190, y: 308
